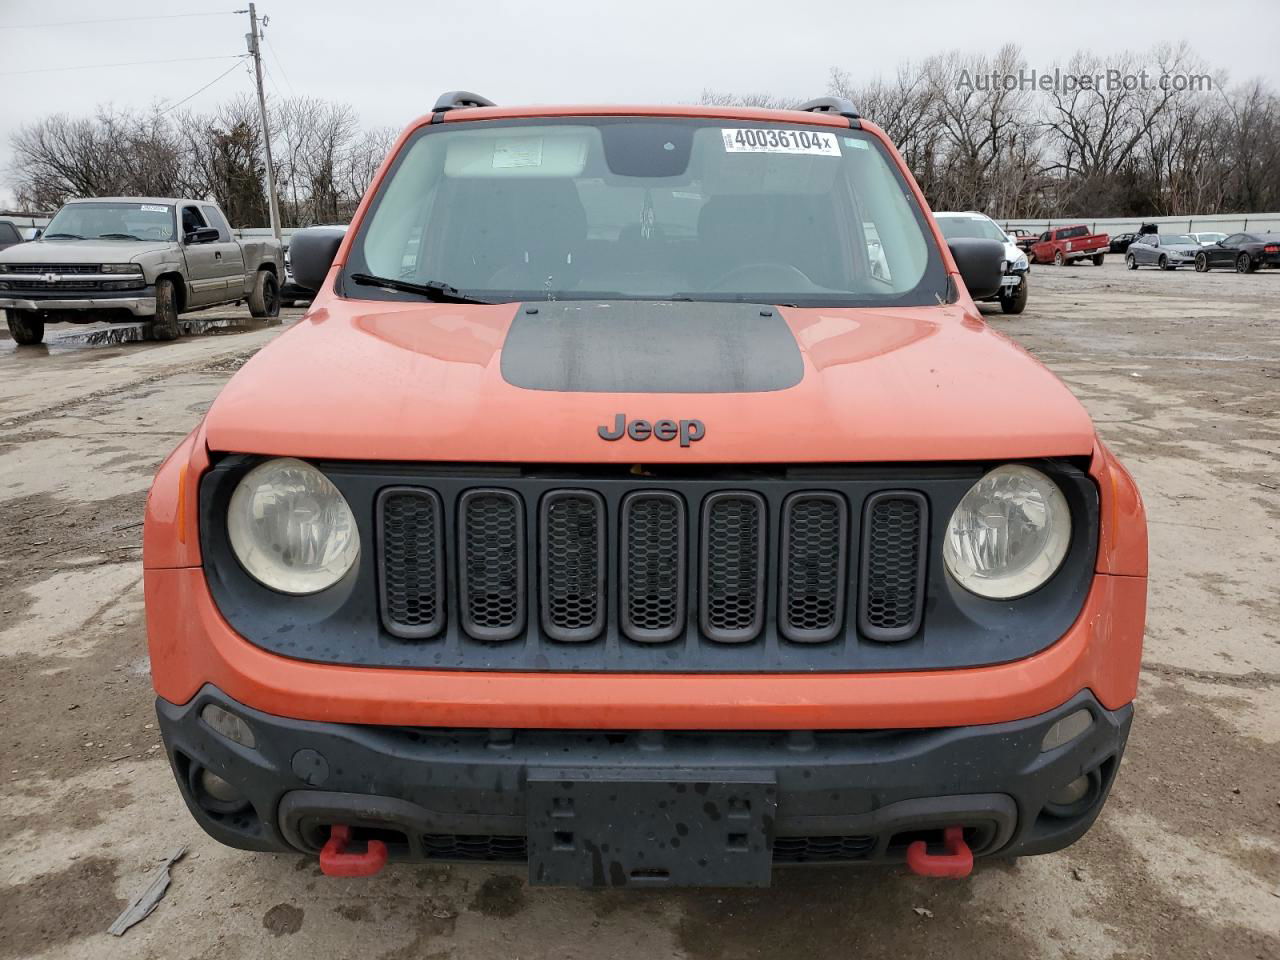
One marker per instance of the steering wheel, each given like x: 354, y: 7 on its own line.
x: 785, y: 272
x: 155, y: 233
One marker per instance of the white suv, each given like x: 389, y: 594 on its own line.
x: 1012, y: 295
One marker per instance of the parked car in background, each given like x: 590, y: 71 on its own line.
x: 1207, y: 239
x: 1120, y: 242
x: 1247, y: 252
x: 1064, y: 245
x: 10, y: 235
x: 1012, y: 295
x: 135, y: 257
x: 1023, y: 238
x: 1168, y: 251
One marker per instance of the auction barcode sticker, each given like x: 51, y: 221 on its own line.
x: 770, y: 140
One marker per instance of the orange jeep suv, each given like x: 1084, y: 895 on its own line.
x: 643, y: 498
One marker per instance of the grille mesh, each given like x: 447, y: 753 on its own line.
x: 477, y: 846
x: 572, y: 565
x: 813, y: 567
x: 653, y: 558
x: 492, y: 583
x: 732, y: 566
x: 821, y: 849
x: 412, y: 565
x: 892, y: 575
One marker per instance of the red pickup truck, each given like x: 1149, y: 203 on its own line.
x: 1063, y: 245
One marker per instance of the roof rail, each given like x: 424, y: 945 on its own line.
x: 841, y: 105
x: 460, y: 99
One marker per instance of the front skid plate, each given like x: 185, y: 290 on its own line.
x: 614, y: 828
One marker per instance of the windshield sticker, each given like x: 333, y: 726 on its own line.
x: 152, y: 208
x: 855, y: 143
x: 517, y: 152
x: 750, y: 140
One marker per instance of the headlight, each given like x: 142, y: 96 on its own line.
x: 291, y: 529
x: 1020, y: 263
x: 1009, y: 534
x: 120, y: 268
x: 4, y: 268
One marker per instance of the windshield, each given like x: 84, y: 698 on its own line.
x: 648, y: 208
x: 114, y: 221
x: 1174, y: 239
x: 973, y: 228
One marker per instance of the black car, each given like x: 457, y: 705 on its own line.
x: 1246, y: 252
x: 10, y: 236
x: 1120, y: 242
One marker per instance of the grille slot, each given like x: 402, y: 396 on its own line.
x: 491, y: 567
x: 813, y: 566
x: 652, y: 566
x: 572, y: 565
x: 61, y: 268
x: 821, y: 849
x: 732, y: 566
x: 411, y: 546
x: 894, y: 537
x: 474, y: 846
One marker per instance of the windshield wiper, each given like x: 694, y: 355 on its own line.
x: 435, y: 290
x: 117, y: 236
x: 62, y: 236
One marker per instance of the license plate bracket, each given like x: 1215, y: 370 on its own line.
x: 615, y: 828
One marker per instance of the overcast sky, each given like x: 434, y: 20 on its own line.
x: 391, y: 58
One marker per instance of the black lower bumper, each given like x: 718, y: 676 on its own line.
x: 503, y: 795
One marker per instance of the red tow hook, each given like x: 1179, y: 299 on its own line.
x: 956, y: 862
x: 335, y: 861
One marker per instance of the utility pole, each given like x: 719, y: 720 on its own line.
x: 253, y: 39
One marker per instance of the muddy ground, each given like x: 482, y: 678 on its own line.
x: 1181, y: 371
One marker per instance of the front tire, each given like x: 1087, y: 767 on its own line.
x: 1017, y: 301
x: 1202, y: 263
x: 1131, y: 262
x: 1244, y: 264
x: 165, y: 325
x: 25, y: 326
x: 1098, y: 259
x: 1059, y: 260
x: 264, y: 300
x: 1163, y: 262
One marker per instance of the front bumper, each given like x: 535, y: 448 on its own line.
x: 138, y: 306
x: 474, y: 794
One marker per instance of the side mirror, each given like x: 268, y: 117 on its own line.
x: 311, y: 253
x: 202, y: 235
x: 980, y: 263
x: 37, y: 233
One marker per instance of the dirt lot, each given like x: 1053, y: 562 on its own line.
x: 1181, y: 371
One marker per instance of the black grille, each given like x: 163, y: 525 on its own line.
x: 474, y: 846
x: 513, y: 849
x: 411, y: 541
x: 892, y: 576
x: 572, y: 562
x: 821, y: 849
x: 813, y: 566
x: 653, y: 566
x: 732, y: 565
x: 63, y: 268
x: 491, y: 577
x: 25, y: 283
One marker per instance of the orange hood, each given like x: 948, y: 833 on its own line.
x: 407, y: 381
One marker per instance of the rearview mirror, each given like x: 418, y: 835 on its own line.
x: 311, y: 253
x: 981, y: 265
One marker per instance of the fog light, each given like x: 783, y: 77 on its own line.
x: 1066, y: 729
x: 1068, y: 796
x: 229, y: 725
x: 214, y: 794
x: 219, y: 789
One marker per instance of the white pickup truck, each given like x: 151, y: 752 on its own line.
x: 127, y: 258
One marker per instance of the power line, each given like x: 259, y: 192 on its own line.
x: 128, y: 63
x: 202, y: 89
x: 283, y: 72
x: 76, y: 23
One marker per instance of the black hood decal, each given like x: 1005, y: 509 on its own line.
x: 632, y: 346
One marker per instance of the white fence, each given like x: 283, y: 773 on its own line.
x: 1230, y: 223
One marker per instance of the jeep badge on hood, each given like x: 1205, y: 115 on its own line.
x: 687, y: 430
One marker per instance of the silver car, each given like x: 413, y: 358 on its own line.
x: 1168, y: 251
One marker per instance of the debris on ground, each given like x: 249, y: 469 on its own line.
x: 145, y: 902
